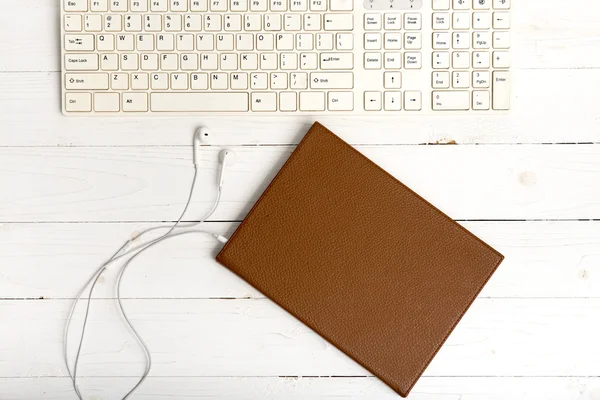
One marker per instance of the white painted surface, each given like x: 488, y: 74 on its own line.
x: 72, y: 189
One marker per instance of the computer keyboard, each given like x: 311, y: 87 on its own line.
x: 387, y: 57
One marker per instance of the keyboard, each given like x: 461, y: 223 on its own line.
x: 385, y: 57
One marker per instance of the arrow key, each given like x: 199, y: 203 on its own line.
x: 392, y: 80
x: 372, y: 101
x: 412, y: 100
x: 392, y: 101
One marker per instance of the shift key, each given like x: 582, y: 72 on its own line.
x: 86, y: 81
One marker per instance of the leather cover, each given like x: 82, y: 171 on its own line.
x: 360, y: 258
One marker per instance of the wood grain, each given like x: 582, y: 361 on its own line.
x: 292, y: 388
x: 543, y: 259
x: 151, y: 184
x: 254, y: 337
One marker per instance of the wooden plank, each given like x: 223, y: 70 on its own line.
x: 543, y: 259
x: 497, y: 337
x: 543, y: 112
x: 152, y: 183
x: 275, y: 388
x: 545, y: 34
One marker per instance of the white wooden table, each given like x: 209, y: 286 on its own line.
x: 73, y: 189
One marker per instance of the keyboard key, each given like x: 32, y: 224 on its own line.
x: 78, y: 102
x: 412, y: 41
x: 441, y: 21
x: 392, y: 80
x: 81, y: 62
x: 137, y: 5
x: 501, y: 20
x: 340, y: 101
x: 461, y: 21
x: 339, y: 22
x: 392, y: 101
x: 199, y: 102
x: 481, y: 79
x: 501, y: 40
x: 331, y: 61
x: 341, y: 5
x: 199, y: 5
x: 76, y: 5
x: 118, y: 5
x: 441, y: 4
x: 461, y: 4
x: 440, y: 80
x: 288, y: 101
x: 461, y: 80
x: 392, y: 21
x: 482, y: 4
x: 501, y: 4
x: 447, y: 101
x: 79, y: 42
x: 393, y: 41
x: 372, y: 41
x: 501, y: 90
x: 99, y: 5
x: 331, y: 80
x: 372, y: 101
x: 412, y: 100
x: 312, y: 101
x: 372, y: 61
x: 86, y: 81
x: 344, y: 41
x: 106, y: 102
x: 73, y: 23
x: 298, y: 5
x: 501, y: 59
x: 412, y: 22
x: 481, y: 100
x: 135, y: 102
x: 318, y: 5
x: 372, y: 22
x: 299, y: 80
x: 412, y: 60
x: 481, y: 20
x: 481, y: 40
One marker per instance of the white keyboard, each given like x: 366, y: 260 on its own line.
x: 285, y: 56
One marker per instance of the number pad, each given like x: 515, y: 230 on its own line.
x: 469, y: 41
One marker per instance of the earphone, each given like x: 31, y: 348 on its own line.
x: 227, y: 159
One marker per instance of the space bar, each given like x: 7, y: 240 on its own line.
x: 198, y: 102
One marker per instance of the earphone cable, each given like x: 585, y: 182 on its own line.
x: 94, y: 279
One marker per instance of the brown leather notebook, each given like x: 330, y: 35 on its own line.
x: 360, y: 258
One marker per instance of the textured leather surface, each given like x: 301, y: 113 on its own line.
x: 360, y: 258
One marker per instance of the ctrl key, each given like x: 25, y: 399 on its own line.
x: 78, y: 102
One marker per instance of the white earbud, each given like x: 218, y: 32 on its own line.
x: 227, y: 159
x: 202, y: 137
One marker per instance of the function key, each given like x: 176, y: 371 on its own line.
x: 138, y: 5
x: 118, y: 5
